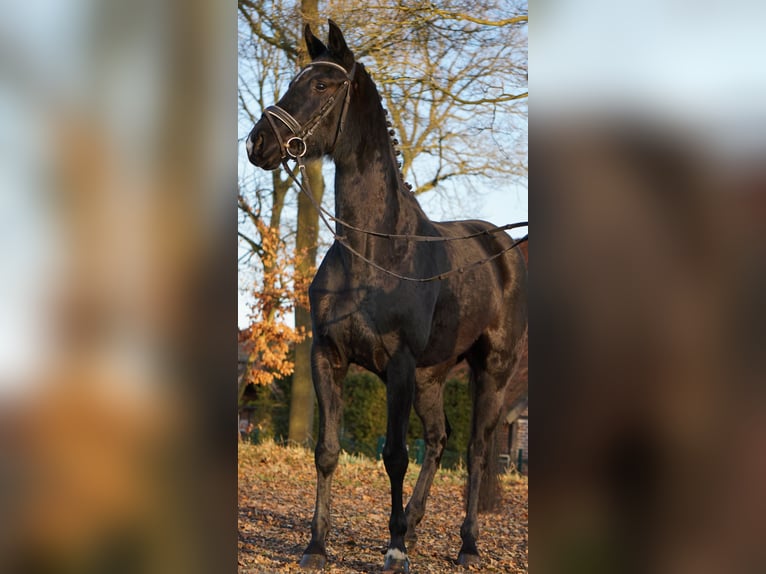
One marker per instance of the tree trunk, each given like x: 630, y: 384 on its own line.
x: 280, y: 189
x: 302, y: 397
x: 281, y: 186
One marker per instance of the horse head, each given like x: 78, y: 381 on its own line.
x: 309, y: 118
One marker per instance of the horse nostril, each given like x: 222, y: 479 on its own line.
x: 254, y: 144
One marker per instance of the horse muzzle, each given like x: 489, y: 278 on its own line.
x: 262, y: 148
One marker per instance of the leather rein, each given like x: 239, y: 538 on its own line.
x: 295, y: 148
x: 302, y: 132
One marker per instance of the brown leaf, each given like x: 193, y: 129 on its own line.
x: 276, y: 503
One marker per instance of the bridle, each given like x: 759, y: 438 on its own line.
x: 303, y: 132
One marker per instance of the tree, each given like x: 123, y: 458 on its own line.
x: 269, y: 338
x: 454, y: 84
x: 302, y: 396
x: 284, y: 34
x: 271, y: 282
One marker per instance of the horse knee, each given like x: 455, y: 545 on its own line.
x: 442, y: 441
x: 395, y: 456
x: 326, y: 458
x: 434, y: 439
x: 435, y: 444
x: 395, y: 461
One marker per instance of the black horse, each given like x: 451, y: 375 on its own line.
x: 366, y: 310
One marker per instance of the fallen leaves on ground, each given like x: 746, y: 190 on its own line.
x: 276, y: 504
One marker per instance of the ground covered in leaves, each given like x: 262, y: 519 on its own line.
x: 276, y: 503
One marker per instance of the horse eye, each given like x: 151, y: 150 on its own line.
x: 320, y: 86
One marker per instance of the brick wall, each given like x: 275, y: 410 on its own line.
x: 520, y: 441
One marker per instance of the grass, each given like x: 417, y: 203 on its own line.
x: 350, y: 465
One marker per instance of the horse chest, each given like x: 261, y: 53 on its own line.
x: 348, y: 325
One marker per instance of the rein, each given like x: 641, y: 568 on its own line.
x: 301, y: 132
x: 324, y: 215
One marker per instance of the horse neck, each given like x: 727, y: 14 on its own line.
x: 369, y: 191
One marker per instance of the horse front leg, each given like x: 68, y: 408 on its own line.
x: 400, y: 378
x: 327, y: 372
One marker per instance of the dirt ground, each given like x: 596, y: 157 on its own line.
x: 276, y: 502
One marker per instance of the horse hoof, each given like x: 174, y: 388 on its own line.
x: 467, y: 560
x: 396, y: 562
x: 312, y: 562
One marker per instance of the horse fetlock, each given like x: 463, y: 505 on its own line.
x: 414, y: 516
x: 411, y: 537
x: 469, y: 554
x: 469, y: 530
x: 397, y: 527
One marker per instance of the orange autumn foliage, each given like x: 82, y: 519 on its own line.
x: 276, y: 292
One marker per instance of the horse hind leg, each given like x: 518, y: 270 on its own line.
x: 488, y: 402
x: 429, y: 405
x: 327, y: 384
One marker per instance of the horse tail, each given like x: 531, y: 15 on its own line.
x: 489, y: 488
x: 489, y: 485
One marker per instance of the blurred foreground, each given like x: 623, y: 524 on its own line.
x: 117, y: 195
x: 648, y: 316
x: 647, y: 354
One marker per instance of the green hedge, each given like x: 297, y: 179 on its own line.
x: 271, y: 409
x: 364, y: 415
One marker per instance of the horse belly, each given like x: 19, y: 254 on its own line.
x: 451, y: 336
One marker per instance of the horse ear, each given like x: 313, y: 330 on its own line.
x: 314, y: 44
x: 337, y: 45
